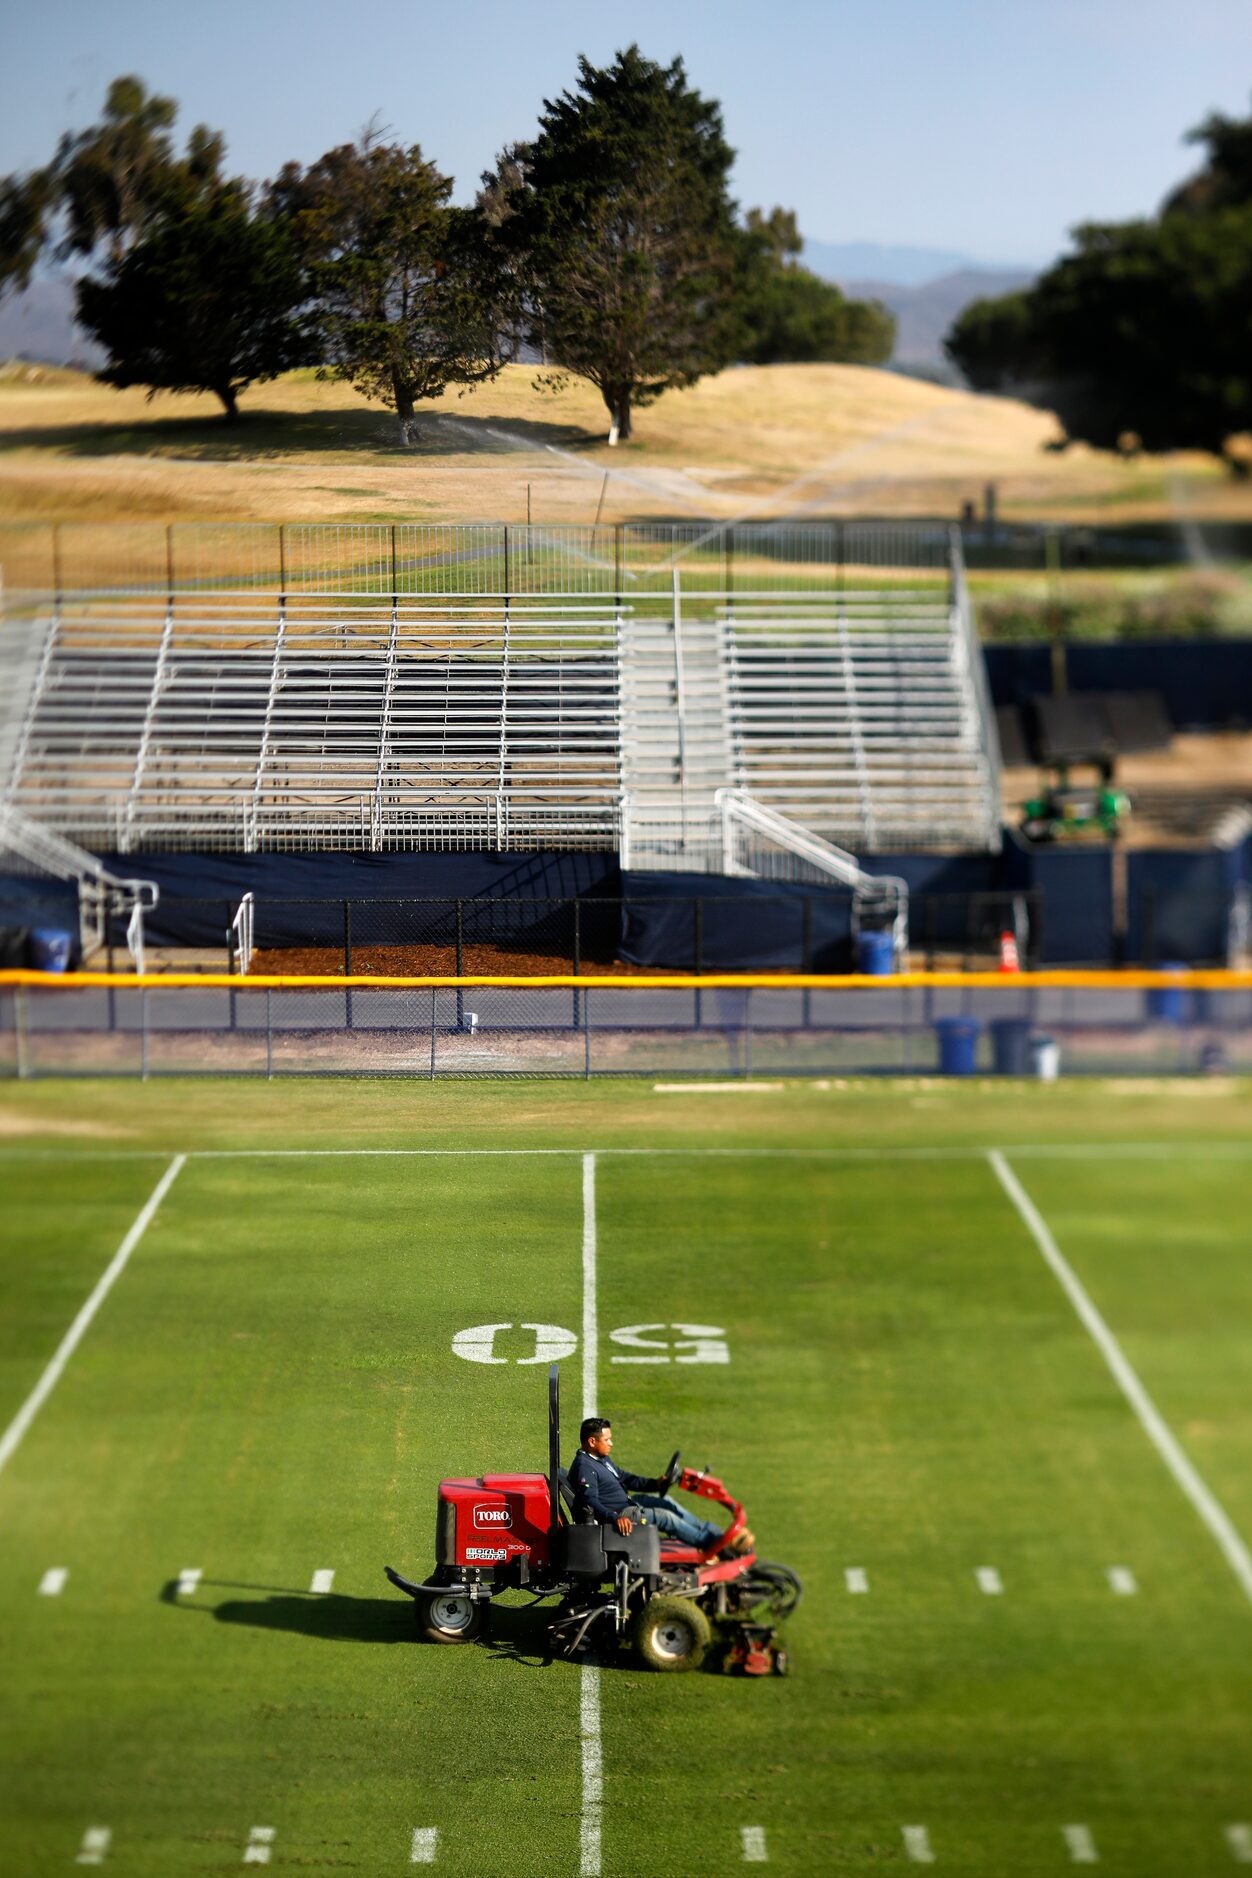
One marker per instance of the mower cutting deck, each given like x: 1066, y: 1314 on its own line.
x: 522, y: 1531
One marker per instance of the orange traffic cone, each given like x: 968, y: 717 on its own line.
x: 1009, y: 961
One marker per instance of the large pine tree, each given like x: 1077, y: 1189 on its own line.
x: 621, y: 233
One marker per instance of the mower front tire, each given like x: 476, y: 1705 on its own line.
x: 445, y: 1618
x: 671, y: 1634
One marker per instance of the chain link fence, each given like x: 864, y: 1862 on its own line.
x: 406, y: 560
x: 712, y: 1031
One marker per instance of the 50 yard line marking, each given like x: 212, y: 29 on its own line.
x: 1234, y: 1550
x: 589, y: 1675
x: 13, y: 1434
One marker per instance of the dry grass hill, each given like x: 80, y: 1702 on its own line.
x: 803, y: 439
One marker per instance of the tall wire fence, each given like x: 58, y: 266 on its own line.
x: 407, y: 559
x: 719, y: 1029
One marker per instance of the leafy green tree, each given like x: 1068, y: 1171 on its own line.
x: 207, y: 299
x: 25, y: 205
x: 790, y: 315
x: 994, y: 342
x: 778, y: 233
x: 619, y: 234
x: 1144, y: 331
x: 105, y: 185
x: 401, y: 284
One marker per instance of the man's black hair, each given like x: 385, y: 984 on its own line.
x: 594, y: 1425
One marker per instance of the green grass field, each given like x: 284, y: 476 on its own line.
x: 269, y: 1390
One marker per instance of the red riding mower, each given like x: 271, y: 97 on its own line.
x: 522, y: 1532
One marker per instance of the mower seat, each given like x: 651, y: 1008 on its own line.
x: 575, y: 1515
x: 595, y: 1551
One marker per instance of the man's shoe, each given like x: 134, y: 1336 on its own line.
x: 745, y: 1543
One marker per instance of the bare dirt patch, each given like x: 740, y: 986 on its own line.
x: 15, y: 1125
x: 771, y: 439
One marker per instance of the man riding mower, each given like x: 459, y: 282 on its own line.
x: 636, y: 1576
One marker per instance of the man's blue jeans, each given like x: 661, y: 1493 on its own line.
x: 676, y: 1520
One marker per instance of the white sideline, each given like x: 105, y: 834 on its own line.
x: 13, y: 1434
x: 590, y: 1825
x: 1215, y: 1518
x: 1080, y: 1845
x: 755, y: 1850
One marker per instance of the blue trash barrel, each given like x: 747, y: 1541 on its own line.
x: 958, y: 1044
x: 876, y: 953
x: 1168, y: 1003
x: 50, y: 949
x: 1010, y: 1040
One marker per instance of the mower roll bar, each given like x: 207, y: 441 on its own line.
x: 554, y: 1454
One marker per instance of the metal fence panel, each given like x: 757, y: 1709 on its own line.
x: 586, y: 1029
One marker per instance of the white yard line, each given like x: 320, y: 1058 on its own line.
x: 917, y: 1844
x: 590, y: 1327
x: 591, y: 1822
x: 715, y: 1088
x: 425, y: 1839
x: 755, y: 1850
x: 1154, y: 1426
x: 95, y: 1845
x: 1239, y: 1843
x: 13, y: 1434
x: 1080, y: 1845
x: 592, y: 1772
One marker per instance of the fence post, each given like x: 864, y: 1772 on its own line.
x: 697, y: 951
x: 20, y: 1033
x: 143, y: 1031
x: 347, y: 961
x: 269, y: 1034
x: 747, y: 1032
x: 433, y: 995
x: 586, y: 1036
x: 577, y: 951
x: 460, y: 950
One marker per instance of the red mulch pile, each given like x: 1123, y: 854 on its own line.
x: 430, y: 961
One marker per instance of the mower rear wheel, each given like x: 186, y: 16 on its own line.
x: 671, y: 1634
x: 443, y: 1617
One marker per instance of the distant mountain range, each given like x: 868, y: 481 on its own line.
x: 924, y: 314
x: 39, y: 324
x: 924, y: 287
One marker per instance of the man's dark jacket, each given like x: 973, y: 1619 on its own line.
x: 601, y: 1487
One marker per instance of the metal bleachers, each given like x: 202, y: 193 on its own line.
x: 234, y: 721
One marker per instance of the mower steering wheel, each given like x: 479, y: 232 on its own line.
x: 672, y: 1472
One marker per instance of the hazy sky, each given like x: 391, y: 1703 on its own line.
x: 984, y: 126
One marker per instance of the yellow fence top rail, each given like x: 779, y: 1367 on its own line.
x: 677, y: 981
